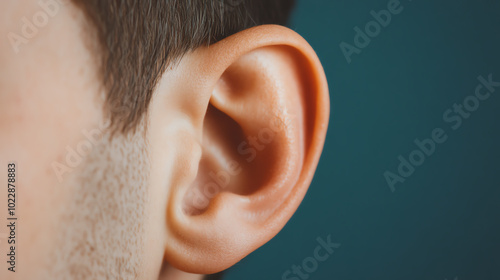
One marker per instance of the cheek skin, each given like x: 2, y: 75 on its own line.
x: 50, y: 93
x: 102, y: 230
x: 47, y: 97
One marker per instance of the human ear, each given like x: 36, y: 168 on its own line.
x: 254, y: 109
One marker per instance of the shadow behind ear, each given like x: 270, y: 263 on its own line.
x: 217, y: 276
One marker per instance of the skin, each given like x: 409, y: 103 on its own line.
x: 215, y: 169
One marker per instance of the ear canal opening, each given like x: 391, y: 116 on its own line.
x: 229, y: 163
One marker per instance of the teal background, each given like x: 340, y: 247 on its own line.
x: 443, y: 221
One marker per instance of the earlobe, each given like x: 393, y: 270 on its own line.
x: 262, y: 129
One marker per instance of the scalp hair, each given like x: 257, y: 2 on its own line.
x: 138, y: 40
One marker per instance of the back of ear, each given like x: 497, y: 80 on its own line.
x: 257, y: 106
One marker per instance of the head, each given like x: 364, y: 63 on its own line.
x: 154, y: 139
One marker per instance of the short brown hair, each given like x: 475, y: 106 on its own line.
x: 139, y: 39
